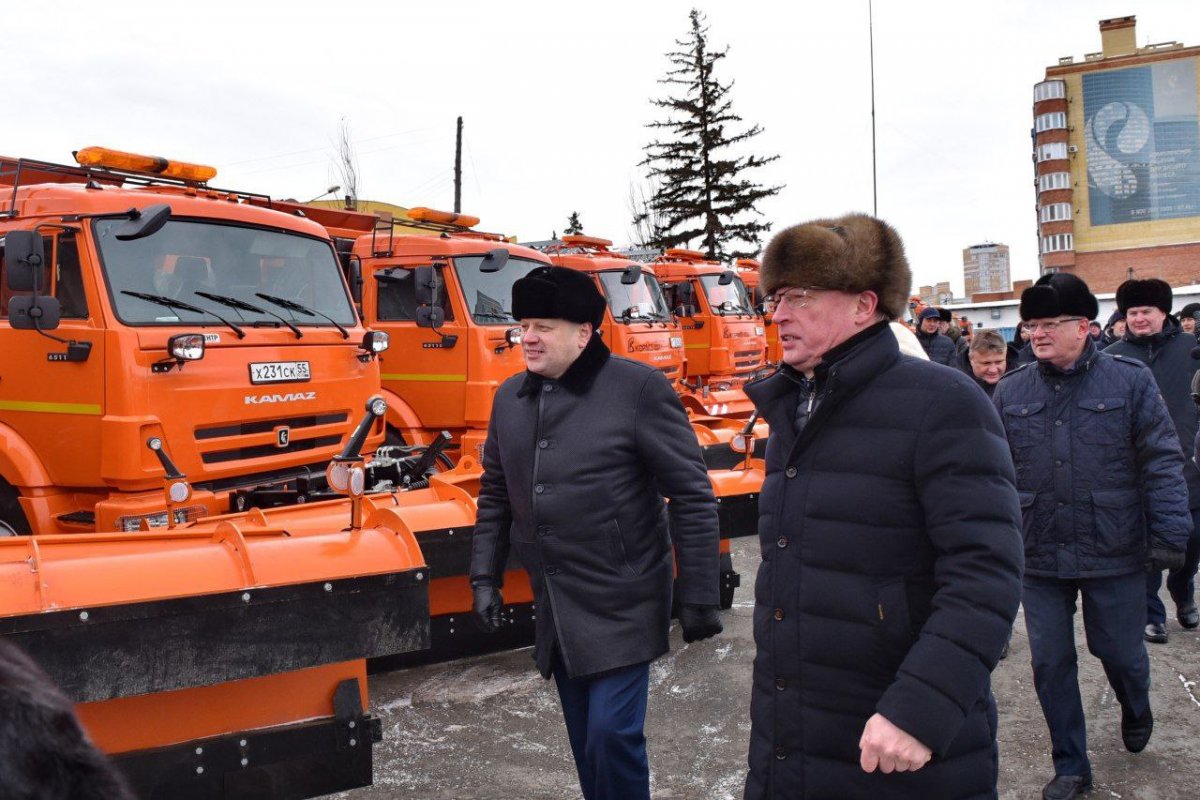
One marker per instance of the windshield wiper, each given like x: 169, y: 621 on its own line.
x: 179, y: 305
x: 489, y: 315
x: 292, y: 305
x: 242, y: 305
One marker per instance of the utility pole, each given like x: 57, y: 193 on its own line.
x: 874, y: 184
x: 458, y: 169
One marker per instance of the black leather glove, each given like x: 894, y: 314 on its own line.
x: 488, y: 603
x: 699, y: 622
x: 1165, y: 558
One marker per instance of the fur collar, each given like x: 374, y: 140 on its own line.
x: 579, y: 376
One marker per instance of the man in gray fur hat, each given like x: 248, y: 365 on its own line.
x: 889, y: 530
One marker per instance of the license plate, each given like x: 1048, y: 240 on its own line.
x: 279, y: 371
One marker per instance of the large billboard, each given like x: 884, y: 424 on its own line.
x: 1142, y: 137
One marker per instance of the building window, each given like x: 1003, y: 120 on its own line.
x: 1054, y: 180
x: 1058, y: 242
x: 1049, y: 90
x: 1055, y: 120
x: 1051, y: 151
x: 1056, y: 212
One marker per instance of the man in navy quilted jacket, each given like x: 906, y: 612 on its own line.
x: 891, y: 557
x: 1100, y: 480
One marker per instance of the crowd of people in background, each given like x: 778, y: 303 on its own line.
x: 1105, y: 454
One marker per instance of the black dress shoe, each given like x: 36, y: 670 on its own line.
x: 1155, y: 633
x: 1135, y: 733
x: 1066, y: 787
x: 1188, y: 616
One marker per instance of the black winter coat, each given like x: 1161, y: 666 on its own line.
x: 575, y: 471
x: 939, y: 348
x: 1094, y: 487
x: 890, y: 578
x: 1169, y: 356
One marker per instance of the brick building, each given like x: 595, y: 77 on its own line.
x: 1116, y: 152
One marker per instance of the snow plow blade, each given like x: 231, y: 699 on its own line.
x: 182, y: 648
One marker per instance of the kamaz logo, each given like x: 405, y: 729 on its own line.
x: 290, y: 397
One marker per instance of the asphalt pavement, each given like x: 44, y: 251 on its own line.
x: 489, y: 728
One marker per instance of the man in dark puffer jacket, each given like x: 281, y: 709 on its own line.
x: 889, y: 530
x: 1154, y: 338
x: 1100, y: 475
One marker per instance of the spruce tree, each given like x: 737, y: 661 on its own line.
x: 702, y: 191
x: 574, y: 226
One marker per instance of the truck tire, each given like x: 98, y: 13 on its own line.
x: 12, y: 518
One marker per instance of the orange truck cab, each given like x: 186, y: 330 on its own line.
x: 222, y: 328
x: 179, y: 368
x: 723, y: 334
x: 748, y: 270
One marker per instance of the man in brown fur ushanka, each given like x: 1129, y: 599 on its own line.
x: 890, y: 536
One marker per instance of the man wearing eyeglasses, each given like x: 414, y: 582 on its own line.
x: 1100, y: 477
x: 889, y: 530
x: 1153, y: 337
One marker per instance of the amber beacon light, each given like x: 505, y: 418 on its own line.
x: 145, y: 165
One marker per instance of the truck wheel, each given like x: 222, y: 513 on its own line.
x: 12, y: 518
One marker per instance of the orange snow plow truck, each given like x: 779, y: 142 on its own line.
x: 724, y: 335
x: 180, y: 371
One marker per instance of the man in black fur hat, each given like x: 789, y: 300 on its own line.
x: 1153, y: 337
x: 581, y: 449
x: 1187, y: 317
x: 1100, y: 477
x: 891, y: 556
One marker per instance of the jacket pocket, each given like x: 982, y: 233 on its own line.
x: 895, y: 622
x: 620, y: 556
x: 1118, y: 523
x: 1102, y: 421
x: 1027, y: 512
x: 1025, y: 424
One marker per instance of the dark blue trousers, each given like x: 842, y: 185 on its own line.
x: 605, y: 718
x: 1113, y: 618
x: 1181, y: 583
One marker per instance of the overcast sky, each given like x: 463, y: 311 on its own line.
x: 555, y: 97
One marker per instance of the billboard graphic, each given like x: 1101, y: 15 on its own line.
x: 1142, y: 137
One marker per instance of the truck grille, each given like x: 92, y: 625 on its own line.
x: 308, y: 432
x: 268, y: 425
x: 264, y: 450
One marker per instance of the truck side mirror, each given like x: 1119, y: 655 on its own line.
x: 631, y: 275
x: 143, y: 223
x: 430, y: 317
x: 426, y: 286
x: 34, y: 312
x: 494, y: 261
x: 726, y: 278
x: 354, y: 278
x: 25, y: 258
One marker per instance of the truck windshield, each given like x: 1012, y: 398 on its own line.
x: 732, y: 298
x: 187, y: 260
x: 641, y: 301
x: 488, y: 295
